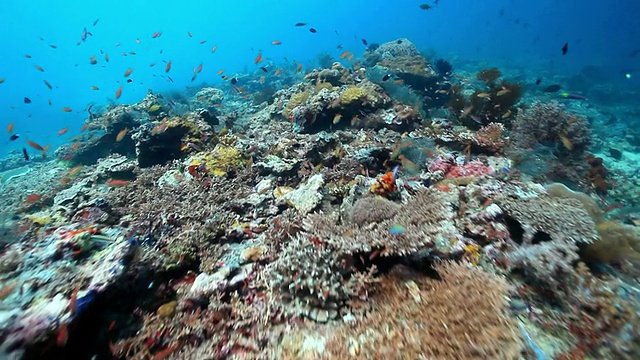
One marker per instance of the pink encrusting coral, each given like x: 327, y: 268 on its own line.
x: 450, y: 169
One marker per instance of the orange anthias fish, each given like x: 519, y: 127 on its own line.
x: 199, y: 69
x: 39, y: 68
x: 214, y: 48
x: 262, y: 78
x: 122, y: 134
x: 106, y: 57
x: 350, y: 57
x: 128, y: 72
x: 168, y: 67
x: 10, y: 128
x: 63, y: 131
x: 66, y: 109
x: 119, y: 92
x: 35, y: 145
x: 258, y: 59
x: 95, y: 88
x: 84, y: 127
x: 156, y: 34
x: 75, y: 170
x: 152, y: 64
x: 203, y: 41
x: 276, y: 42
x: 220, y: 72
x: 345, y: 54
x: 299, y: 68
x: 33, y: 198
x: 117, y: 182
x: 188, y: 33
x: 278, y: 71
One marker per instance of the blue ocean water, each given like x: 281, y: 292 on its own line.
x: 515, y: 34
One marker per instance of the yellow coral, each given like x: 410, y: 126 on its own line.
x: 353, y: 94
x: 295, y: 100
x: 41, y: 220
x: 220, y: 160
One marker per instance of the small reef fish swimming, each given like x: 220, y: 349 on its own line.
x: 121, y: 134
x: 14, y: 137
x: 425, y: 6
x: 566, y: 95
x: 10, y: 128
x: 565, y: 48
x: 301, y: 24
x: 26, y: 100
x: 25, y: 154
x: 119, y: 92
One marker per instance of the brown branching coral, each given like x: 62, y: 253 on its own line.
x: 550, y: 124
x: 316, y: 281
x: 489, y: 75
x: 461, y: 316
x: 426, y: 220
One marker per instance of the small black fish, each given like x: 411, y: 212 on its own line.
x: 301, y: 24
x: 14, y: 137
x: 170, y: 79
x: 264, y: 69
x: 565, y: 48
x: 96, y: 22
x: 129, y: 80
x: 364, y: 41
x: 27, y: 100
x: 386, y: 77
x: 425, y: 6
x: 538, y: 81
x: 26, y: 155
x: 552, y: 88
x: 234, y: 81
x: 313, y: 30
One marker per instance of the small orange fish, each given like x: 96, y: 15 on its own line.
x: 156, y: 34
x: 226, y: 77
x: 33, y: 198
x: 132, y: 52
x: 214, y: 48
x: 128, y: 72
x: 299, y: 68
x: 63, y: 336
x: 75, y: 170
x: 152, y: 64
x: 66, y: 109
x: 168, y: 67
x: 111, y: 326
x: 63, y: 131
x: 106, y: 57
x: 350, y: 57
x: 124, y: 54
x: 258, y: 59
x: 10, y: 128
x: 39, y: 68
x: 566, y: 142
x: 84, y: 127
x: 188, y: 33
x: 220, y: 72
x: 95, y: 88
x: 47, y: 84
x: 35, y: 145
x: 93, y: 60
x: 159, y: 129
x: 119, y: 92
x: 116, y: 183
x: 122, y: 134
x: 199, y: 69
x: 202, y: 41
x: 262, y: 79
x: 278, y: 71
x: 75, y: 145
x: 276, y: 42
x: 345, y: 54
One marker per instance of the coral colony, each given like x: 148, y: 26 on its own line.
x: 381, y: 210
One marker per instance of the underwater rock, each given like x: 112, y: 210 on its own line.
x: 390, y: 50
x: 116, y: 166
x: 306, y: 197
x: 208, y: 98
x: 277, y: 166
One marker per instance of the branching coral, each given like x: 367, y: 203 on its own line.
x: 424, y: 222
x: 315, y: 280
x: 461, y: 316
x: 548, y: 124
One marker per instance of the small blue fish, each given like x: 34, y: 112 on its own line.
x: 397, y: 229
